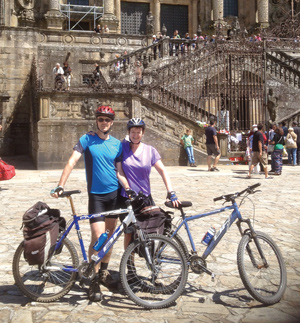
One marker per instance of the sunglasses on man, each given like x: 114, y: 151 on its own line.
x: 107, y: 120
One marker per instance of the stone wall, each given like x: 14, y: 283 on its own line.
x: 62, y: 122
x: 25, y: 52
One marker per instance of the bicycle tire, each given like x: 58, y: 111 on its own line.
x: 149, y: 289
x: 265, y: 284
x: 45, y: 285
x: 177, y: 238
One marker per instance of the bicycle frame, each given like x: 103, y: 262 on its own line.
x: 219, y: 235
x: 130, y: 218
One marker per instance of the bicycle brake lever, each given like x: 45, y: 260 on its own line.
x: 256, y: 191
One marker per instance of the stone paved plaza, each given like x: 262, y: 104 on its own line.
x: 277, y: 213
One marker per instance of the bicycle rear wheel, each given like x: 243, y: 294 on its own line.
x: 161, y: 285
x: 265, y: 282
x: 46, y: 285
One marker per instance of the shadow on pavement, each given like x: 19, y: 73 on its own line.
x: 20, y: 162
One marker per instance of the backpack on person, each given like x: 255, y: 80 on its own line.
x: 290, y: 141
x: 41, y: 226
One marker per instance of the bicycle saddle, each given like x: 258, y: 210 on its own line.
x: 180, y: 206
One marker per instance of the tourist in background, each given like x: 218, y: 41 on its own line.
x: 291, y: 146
x: 297, y: 132
x: 276, y: 155
x: 212, y: 146
x: 67, y: 75
x: 187, y: 141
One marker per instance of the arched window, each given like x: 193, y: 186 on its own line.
x: 230, y: 8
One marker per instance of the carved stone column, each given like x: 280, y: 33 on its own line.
x: 263, y: 13
x: 54, y: 17
x: 108, y: 17
x: 156, y: 16
x: 2, y: 13
x: 118, y: 14
x: 218, y: 12
x: 195, y: 17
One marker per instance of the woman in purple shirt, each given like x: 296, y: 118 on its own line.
x: 138, y: 159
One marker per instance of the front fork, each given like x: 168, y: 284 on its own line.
x: 145, y: 242
x: 251, y: 232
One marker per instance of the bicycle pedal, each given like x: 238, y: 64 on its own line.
x: 84, y: 283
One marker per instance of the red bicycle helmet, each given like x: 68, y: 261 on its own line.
x: 105, y: 111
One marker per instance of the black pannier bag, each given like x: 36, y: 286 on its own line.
x: 153, y: 219
x: 41, y: 226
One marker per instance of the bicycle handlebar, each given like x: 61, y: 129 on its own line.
x: 230, y: 197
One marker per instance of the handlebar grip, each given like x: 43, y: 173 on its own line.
x: 218, y: 198
x: 252, y: 187
x: 68, y: 193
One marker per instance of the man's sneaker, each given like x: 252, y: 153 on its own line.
x: 94, y: 292
x: 106, y: 279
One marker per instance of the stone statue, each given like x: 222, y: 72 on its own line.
x: 272, y: 105
x: 87, y: 110
x: 236, y: 26
x: 150, y: 24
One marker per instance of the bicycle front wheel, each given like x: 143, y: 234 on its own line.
x: 266, y: 282
x: 46, y: 285
x: 155, y: 285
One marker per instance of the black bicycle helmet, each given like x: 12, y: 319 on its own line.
x: 105, y: 111
x: 136, y: 122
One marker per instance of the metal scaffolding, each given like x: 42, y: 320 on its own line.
x: 79, y: 13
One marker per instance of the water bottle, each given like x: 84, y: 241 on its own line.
x: 208, y: 236
x: 99, y: 243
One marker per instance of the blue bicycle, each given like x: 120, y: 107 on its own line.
x: 153, y: 268
x: 260, y: 263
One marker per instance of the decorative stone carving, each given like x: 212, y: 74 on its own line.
x: 150, y: 24
x: 160, y: 121
x: 272, y: 105
x: 179, y: 130
x: 87, y: 110
x: 27, y: 4
x: 54, y: 17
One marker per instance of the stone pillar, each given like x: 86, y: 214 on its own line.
x: 109, y: 17
x: 194, y: 17
x: 156, y: 16
x: 218, y: 12
x: 263, y: 13
x: 118, y: 14
x: 54, y: 17
x: 2, y: 13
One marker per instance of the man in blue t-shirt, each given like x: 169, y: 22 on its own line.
x: 103, y: 164
x: 212, y: 146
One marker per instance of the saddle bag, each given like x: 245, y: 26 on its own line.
x: 41, y: 227
x: 153, y: 219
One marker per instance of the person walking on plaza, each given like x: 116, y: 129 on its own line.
x: 187, y: 141
x: 103, y: 165
x: 259, y: 153
x: 212, y: 146
x: 278, y: 142
x: 297, y: 132
x: 291, y: 146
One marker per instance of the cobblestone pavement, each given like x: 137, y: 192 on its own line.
x: 277, y: 213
